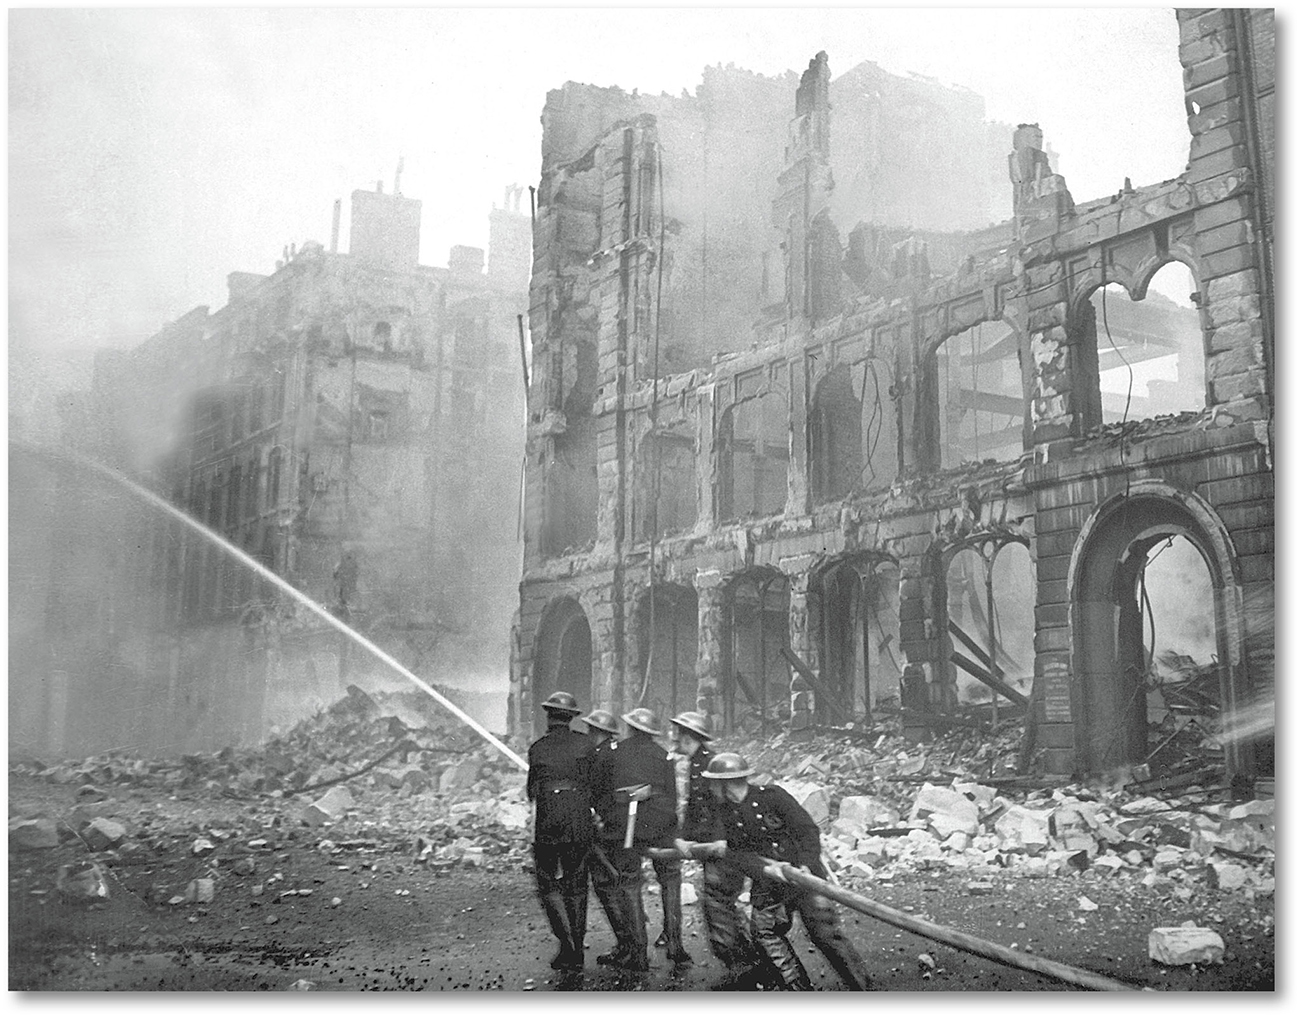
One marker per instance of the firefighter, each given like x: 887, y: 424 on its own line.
x: 723, y: 881
x: 636, y: 798
x: 602, y: 727
x: 559, y: 782
x: 765, y: 820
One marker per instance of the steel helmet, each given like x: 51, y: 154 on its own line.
x: 695, y: 723
x: 643, y: 719
x: 726, y: 766
x: 561, y: 702
x: 601, y: 720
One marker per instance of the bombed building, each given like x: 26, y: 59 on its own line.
x: 352, y: 421
x: 842, y: 401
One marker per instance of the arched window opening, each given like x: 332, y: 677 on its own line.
x: 754, y: 445
x: 860, y: 659
x: 755, y: 677
x: 667, y: 656
x: 1150, y: 353
x: 980, y: 396
x: 562, y: 657
x: 990, y: 603
x: 571, y: 491
x: 666, y: 478
x: 835, y: 423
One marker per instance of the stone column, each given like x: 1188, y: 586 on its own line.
x: 710, y: 595
x: 803, y: 642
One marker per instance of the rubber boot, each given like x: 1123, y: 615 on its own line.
x: 618, y: 922
x: 553, y: 906
x: 637, y: 958
x: 672, y: 895
x: 575, y: 910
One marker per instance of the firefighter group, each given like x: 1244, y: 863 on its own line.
x: 605, y: 800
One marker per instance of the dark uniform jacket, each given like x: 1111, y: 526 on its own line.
x: 636, y: 760
x: 699, y: 825
x: 770, y: 823
x: 559, y: 781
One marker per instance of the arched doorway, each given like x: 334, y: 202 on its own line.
x: 755, y: 677
x: 859, y: 632
x: 670, y: 685
x: 563, y: 657
x: 1123, y: 703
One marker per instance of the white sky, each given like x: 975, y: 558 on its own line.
x: 151, y: 152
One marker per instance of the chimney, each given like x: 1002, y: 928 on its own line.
x: 397, y: 177
x: 334, y: 232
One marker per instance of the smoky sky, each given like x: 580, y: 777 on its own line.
x: 151, y: 152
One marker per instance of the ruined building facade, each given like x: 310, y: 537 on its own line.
x: 352, y: 421
x: 794, y: 452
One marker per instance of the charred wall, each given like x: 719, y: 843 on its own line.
x: 1064, y: 479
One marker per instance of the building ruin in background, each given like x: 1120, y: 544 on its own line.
x: 806, y: 435
x: 353, y: 421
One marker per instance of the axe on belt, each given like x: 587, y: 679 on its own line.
x: 635, y: 794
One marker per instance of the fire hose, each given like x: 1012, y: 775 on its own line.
x: 753, y: 865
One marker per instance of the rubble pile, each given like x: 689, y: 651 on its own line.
x: 888, y: 808
x: 391, y: 773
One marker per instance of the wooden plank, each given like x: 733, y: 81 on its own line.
x: 810, y: 677
x: 969, y: 666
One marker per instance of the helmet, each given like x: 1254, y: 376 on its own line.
x: 643, y: 719
x: 695, y: 723
x: 561, y: 702
x: 602, y: 721
x: 726, y: 766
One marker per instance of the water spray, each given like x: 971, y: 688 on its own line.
x: 145, y: 495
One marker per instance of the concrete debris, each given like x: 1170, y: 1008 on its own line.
x: 301, y: 985
x: 1185, y: 945
x: 201, y: 891
x: 82, y: 882
x: 101, y: 833
x: 202, y: 846
x: 31, y: 835
x: 812, y: 797
x: 329, y: 807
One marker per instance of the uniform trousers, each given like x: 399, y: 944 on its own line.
x: 773, y: 907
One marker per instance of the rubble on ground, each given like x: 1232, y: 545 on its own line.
x: 393, y: 772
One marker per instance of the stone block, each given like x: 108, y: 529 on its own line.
x: 1185, y: 945
x: 812, y: 797
x: 862, y: 811
x: 102, y: 833
x: 330, y: 807
x: 1227, y: 876
x: 1206, y: 71
x: 1228, y: 262
x: 202, y: 890
x: 459, y: 776
x: 31, y: 835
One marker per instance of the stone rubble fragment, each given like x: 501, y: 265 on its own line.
x: 33, y: 835
x: 1185, y: 945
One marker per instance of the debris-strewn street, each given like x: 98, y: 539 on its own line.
x: 263, y: 870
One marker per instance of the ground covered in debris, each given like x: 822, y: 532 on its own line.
x: 377, y: 846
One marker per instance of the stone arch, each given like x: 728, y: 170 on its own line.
x: 859, y: 630
x: 1134, y: 333
x: 562, y: 657
x: 975, y: 401
x: 755, y: 626
x: 835, y: 436
x: 670, y: 686
x: 753, y: 456
x: 1108, y: 671
x: 965, y: 625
